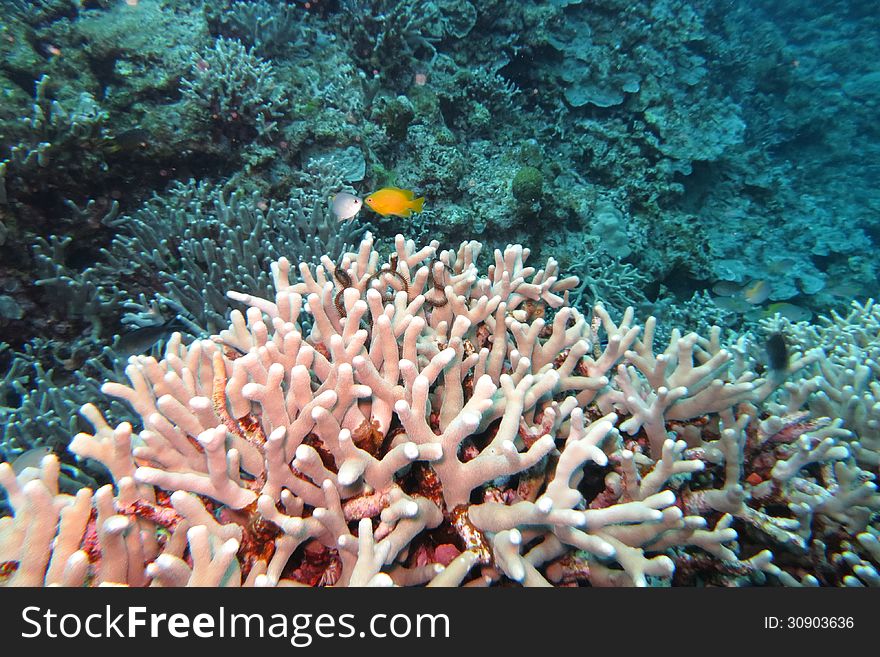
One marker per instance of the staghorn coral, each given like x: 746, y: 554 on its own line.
x: 270, y: 28
x: 845, y: 382
x: 39, y: 406
x: 413, y: 421
x: 55, y: 137
x: 234, y: 92
x: 141, y: 273
x: 390, y: 35
x: 185, y: 226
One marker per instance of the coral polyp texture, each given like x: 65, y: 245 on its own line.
x: 406, y: 419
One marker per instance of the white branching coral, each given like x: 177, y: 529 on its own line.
x: 411, y: 421
x: 844, y: 382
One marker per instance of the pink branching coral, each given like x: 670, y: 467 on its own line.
x: 409, y: 421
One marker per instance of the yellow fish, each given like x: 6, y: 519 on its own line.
x: 391, y: 200
x: 790, y: 311
x: 756, y: 292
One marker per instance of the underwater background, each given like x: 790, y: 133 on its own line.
x: 706, y: 163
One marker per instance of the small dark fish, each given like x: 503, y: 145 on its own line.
x: 142, y: 340
x: 777, y: 353
x: 130, y: 140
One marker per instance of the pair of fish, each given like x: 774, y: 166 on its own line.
x: 743, y: 296
x: 386, y: 201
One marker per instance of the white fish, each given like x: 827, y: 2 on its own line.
x: 345, y: 206
x: 30, y: 459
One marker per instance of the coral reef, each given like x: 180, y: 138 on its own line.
x: 234, y: 91
x: 711, y: 166
x: 269, y: 28
x: 428, y: 425
x: 843, y: 383
x: 200, y: 241
x: 162, y: 265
